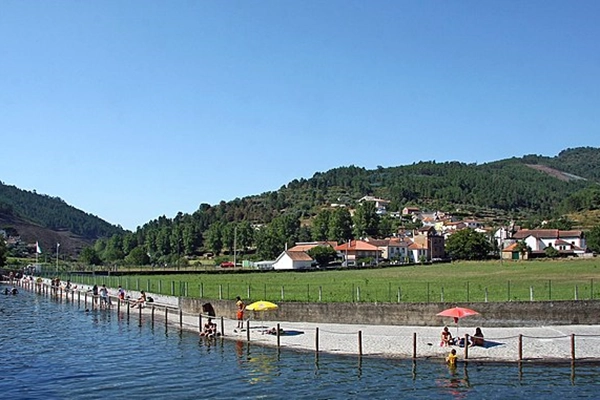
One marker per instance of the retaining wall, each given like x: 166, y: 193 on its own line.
x: 508, y: 314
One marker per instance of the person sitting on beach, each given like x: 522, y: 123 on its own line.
x: 141, y: 301
x: 210, y: 329
x: 477, y: 338
x: 451, y: 358
x: 273, y: 331
x: 447, y: 338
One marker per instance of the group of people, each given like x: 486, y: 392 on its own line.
x: 447, y: 340
x: 475, y: 340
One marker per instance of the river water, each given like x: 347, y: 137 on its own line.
x: 58, y: 350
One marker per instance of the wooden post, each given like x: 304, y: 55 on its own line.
x: 166, y: 316
x: 140, y: 313
x: 572, y: 346
x: 222, y: 327
x: 200, y: 322
x: 118, y: 305
x: 248, y: 330
x: 414, y: 345
x: 180, y: 319
x: 360, y: 350
x: 520, y: 347
x: 466, y: 346
x: 278, y: 336
x: 152, y: 316
x: 317, y: 340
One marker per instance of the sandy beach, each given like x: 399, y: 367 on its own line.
x: 544, y: 343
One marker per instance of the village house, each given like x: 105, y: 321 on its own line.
x: 293, y: 260
x: 355, y: 250
x: 566, y: 242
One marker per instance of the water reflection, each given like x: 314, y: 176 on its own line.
x: 456, y: 382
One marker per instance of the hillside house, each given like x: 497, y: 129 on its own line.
x: 380, y: 204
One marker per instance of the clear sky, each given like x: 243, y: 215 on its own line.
x: 130, y: 110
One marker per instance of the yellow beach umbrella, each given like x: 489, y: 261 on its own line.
x: 262, y: 305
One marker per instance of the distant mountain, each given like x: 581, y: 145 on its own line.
x: 49, y: 220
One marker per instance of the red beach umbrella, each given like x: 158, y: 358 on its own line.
x: 457, y: 313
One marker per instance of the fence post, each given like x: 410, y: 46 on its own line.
x: 166, y: 317
x: 530, y: 293
x: 220, y: 292
x: 320, y: 294
x: 201, y: 290
x: 248, y: 329
x: 360, y: 349
x: 428, y: 292
x: 222, y: 327
x: 414, y: 345
x: 486, y: 294
x: 278, y: 336
x: 442, y: 295
x: 317, y: 340
x: 248, y: 291
x: 358, y: 294
x: 152, y: 316
x: 172, y: 288
x: 508, y: 291
x: 549, y: 289
x: 399, y: 294
x: 282, y: 293
x: 180, y: 319
x: 572, y: 346
x: 520, y: 347
x: 576, y: 293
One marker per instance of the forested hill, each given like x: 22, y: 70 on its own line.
x: 44, y: 213
x: 526, y: 188
x: 516, y: 188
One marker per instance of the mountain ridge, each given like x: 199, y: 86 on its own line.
x: 514, y: 187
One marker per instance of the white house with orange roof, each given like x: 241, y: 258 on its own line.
x: 293, y: 260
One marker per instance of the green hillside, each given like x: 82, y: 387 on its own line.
x: 525, y: 190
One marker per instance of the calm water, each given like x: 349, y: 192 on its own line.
x: 52, y: 350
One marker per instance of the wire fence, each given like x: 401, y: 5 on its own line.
x: 390, y: 292
x: 341, y: 339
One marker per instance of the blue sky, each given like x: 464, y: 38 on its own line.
x: 130, y: 110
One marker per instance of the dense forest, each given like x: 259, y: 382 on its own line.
x: 526, y: 190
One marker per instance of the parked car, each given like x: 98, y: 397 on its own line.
x: 227, y: 264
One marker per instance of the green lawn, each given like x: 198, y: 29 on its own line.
x: 456, y: 282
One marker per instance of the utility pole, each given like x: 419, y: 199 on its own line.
x: 57, y: 247
x: 235, y: 246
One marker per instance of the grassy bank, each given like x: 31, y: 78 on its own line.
x: 456, y: 282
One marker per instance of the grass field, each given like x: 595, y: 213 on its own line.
x: 457, y: 282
